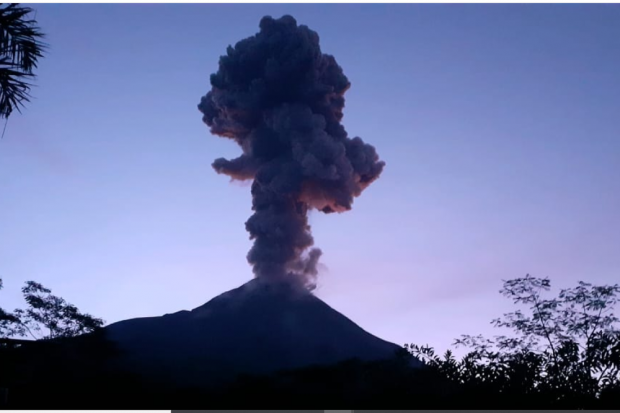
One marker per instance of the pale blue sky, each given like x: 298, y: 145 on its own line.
x: 496, y: 122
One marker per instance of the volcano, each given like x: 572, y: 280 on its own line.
x: 258, y: 328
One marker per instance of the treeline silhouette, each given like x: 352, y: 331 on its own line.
x: 562, y: 352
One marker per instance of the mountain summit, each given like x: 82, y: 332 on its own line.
x: 256, y: 328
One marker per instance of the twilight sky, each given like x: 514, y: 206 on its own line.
x: 496, y: 122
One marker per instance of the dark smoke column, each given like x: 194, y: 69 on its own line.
x: 281, y: 100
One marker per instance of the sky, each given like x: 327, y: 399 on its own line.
x: 496, y: 123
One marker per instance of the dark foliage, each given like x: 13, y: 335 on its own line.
x: 563, y: 353
x: 571, y: 365
x: 7, y: 319
x: 21, y: 47
x: 47, y: 316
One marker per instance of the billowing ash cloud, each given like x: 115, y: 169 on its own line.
x: 281, y: 100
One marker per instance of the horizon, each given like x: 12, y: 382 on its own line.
x: 497, y: 123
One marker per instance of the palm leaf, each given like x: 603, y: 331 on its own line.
x: 21, y: 46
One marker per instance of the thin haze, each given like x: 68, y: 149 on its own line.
x: 498, y: 124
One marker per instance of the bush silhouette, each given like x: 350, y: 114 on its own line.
x: 560, y: 353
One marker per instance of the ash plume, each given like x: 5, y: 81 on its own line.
x: 281, y: 99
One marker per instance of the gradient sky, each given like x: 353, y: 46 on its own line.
x: 496, y: 122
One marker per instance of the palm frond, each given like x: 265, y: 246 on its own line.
x: 21, y: 46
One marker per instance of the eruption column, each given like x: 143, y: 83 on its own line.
x: 281, y: 99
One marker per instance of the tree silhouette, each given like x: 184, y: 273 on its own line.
x: 563, y: 351
x: 46, y: 317
x: 7, y: 321
x: 20, y: 48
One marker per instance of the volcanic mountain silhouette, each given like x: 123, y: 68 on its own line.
x: 257, y: 328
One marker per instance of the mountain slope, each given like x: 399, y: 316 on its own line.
x: 256, y: 328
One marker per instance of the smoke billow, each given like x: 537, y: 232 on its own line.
x: 281, y: 99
